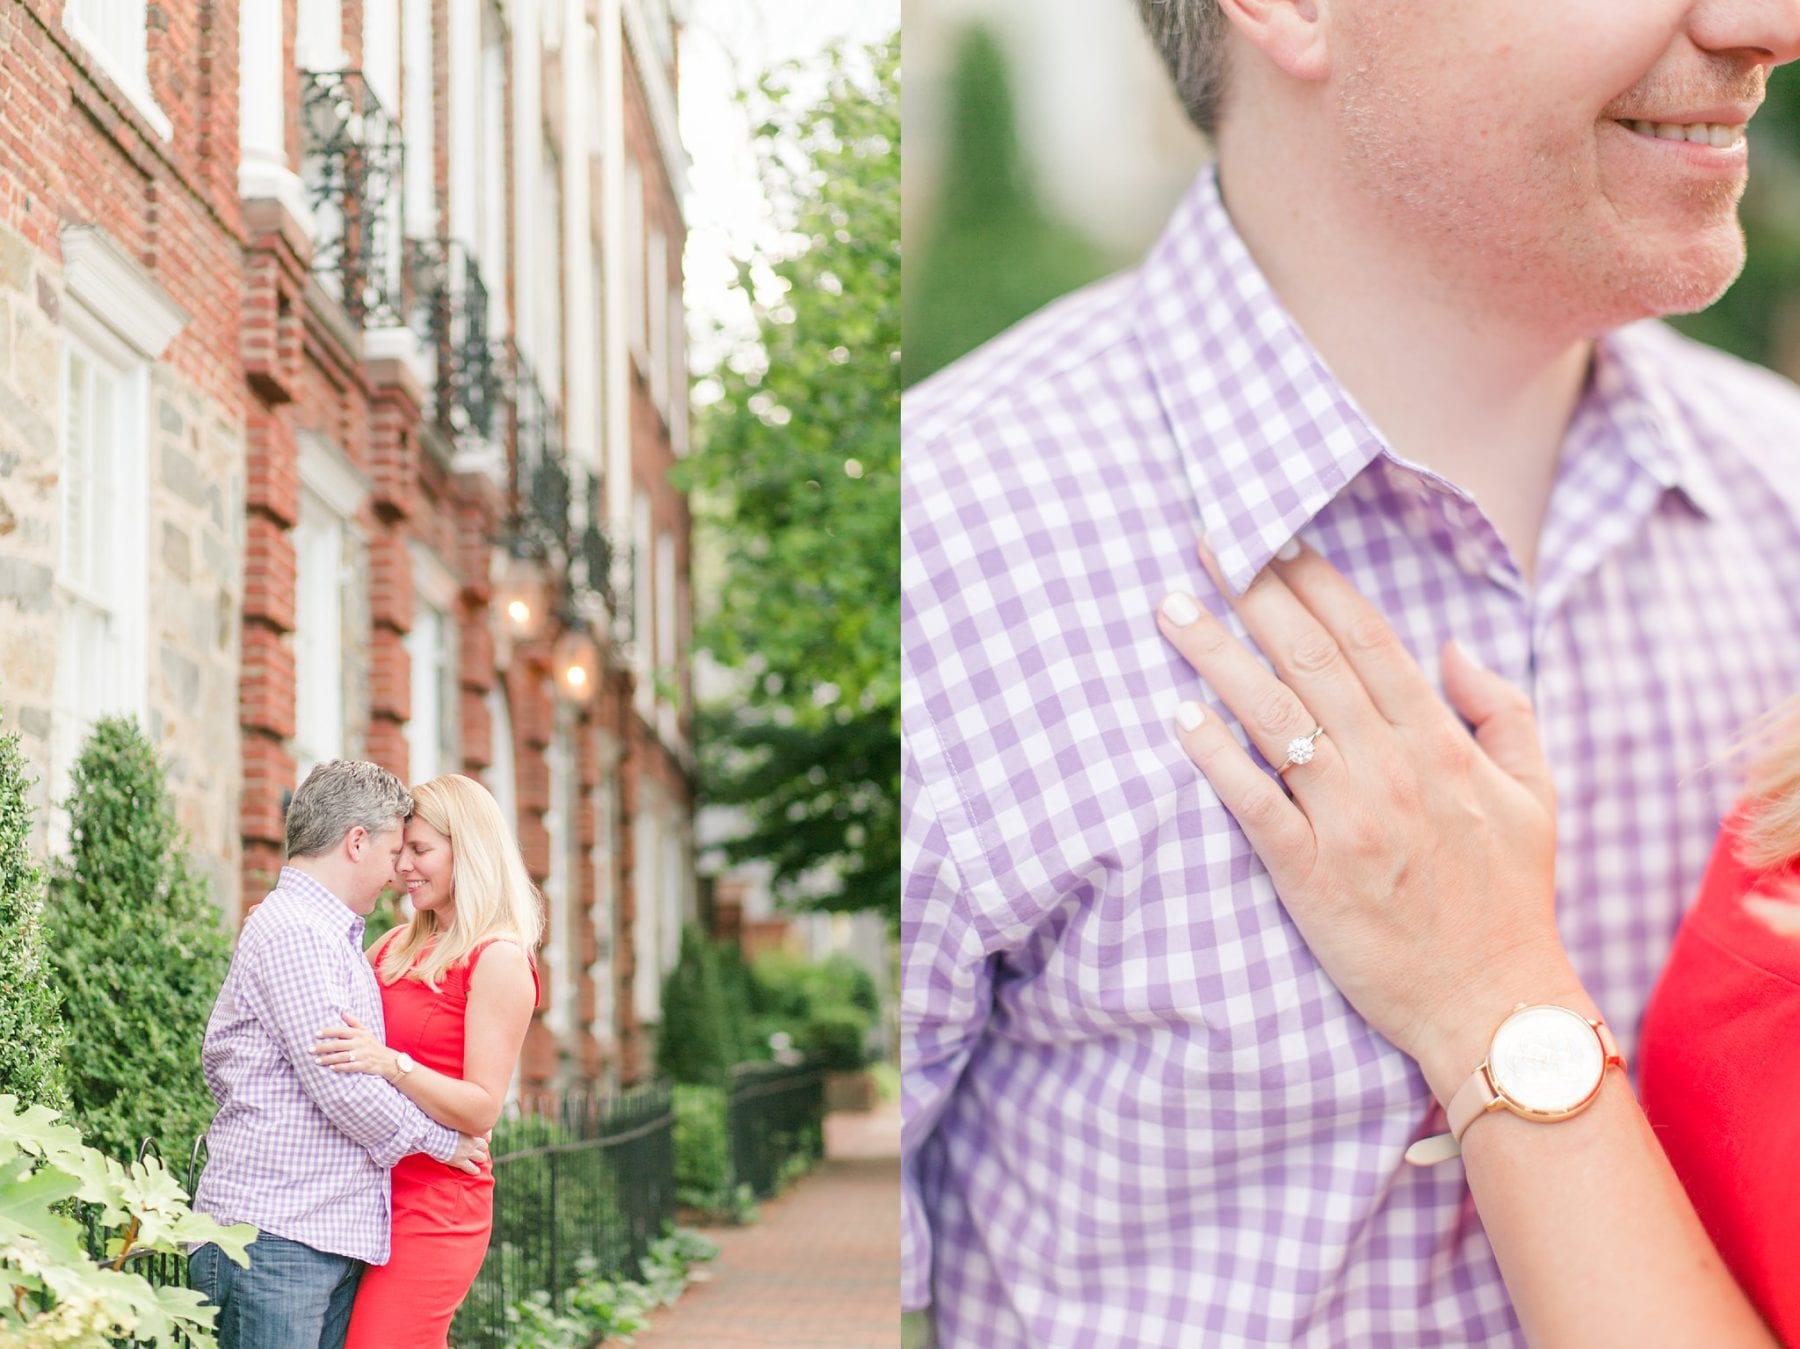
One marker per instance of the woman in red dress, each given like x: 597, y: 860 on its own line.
x: 457, y: 992
x: 1415, y: 857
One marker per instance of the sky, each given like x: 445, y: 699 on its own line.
x: 725, y: 46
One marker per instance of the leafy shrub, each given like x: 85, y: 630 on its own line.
x: 30, y: 1031
x: 834, y: 1037
x: 827, y: 1008
x: 697, y: 1044
x: 138, y: 951
x: 739, y: 987
x: 608, y: 1309
x: 703, y: 1175
x: 61, y: 1295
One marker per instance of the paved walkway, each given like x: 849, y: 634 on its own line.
x: 820, y: 1269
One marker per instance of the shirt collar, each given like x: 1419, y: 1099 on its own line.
x: 320, y: 900
x: 1268, y: 435
x: 1633, y: 387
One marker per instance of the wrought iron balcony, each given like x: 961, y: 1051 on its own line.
x: 445, y: 298
x: 352, y: 170
x: 596, y: 548
x: 541, y: 483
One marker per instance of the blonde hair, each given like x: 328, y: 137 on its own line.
x: 493, y: 896
x: 1771, y: 832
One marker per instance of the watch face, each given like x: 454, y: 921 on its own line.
x: 1546, y: 1061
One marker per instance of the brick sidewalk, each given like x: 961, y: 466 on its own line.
x: 820, y: 1269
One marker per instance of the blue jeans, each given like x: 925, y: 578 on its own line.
x: 291, y: 1296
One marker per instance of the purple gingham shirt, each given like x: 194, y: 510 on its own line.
x: 296, y: 1149
x: 1137, y: 1112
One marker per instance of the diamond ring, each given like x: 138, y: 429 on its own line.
x: 1300, y: 750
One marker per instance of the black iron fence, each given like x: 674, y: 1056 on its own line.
x: 583, y: 1183
x: 776, y: 1115
x: 582, y: 1186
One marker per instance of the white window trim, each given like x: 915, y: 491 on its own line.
x: 325, y: 469
x: 561, y: 885
x: 436, y: 589
x: 128, y: 604
x: 646, y: 923
x: 314, y: 676
x: 677, y: 416
x: 327, y: 475
x: 636, y: 267
x: 603, y: 858
x: 134, y: 86
x: 656, y: 306
x: 100, y: 274
x: 659, y: 97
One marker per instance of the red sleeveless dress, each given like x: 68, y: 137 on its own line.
x: 1721, y: 1080
x: 442, y: 1217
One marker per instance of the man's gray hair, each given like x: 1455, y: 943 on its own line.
x: 339, y: 795
x: 1190, y: 37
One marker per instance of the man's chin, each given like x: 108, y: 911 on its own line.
x: 1684, y: 279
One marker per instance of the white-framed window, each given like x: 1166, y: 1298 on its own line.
x: 678, y: 383
x: 318, y: 635
x: 562, y: 885
x: 673, y: 900
x: 604, y: 859
x: 667, y: 656
x: 331, y: 494
x: 643, y: 646
x: 491, y: 225
x: 647, y: 917
x: 113, y: 33
x: 500, y: 777
x: 420, y: 89
x: 549, y: 349
x: 655, y: 285
x: 634, y: 261
x: 432, y: 742
x: 102, y: 565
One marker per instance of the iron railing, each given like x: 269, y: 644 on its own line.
x: 445, y: 297
x: 352, y: 170
x: 162, y: 1269
x: 776, y: 1115
x: 581, y: 1186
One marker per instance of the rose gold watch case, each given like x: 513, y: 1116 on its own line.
x: 1592, y: 1070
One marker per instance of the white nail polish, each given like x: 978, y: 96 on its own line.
x: 1189, y: 715
x: 1289, y: 550
x: 1180, y: 610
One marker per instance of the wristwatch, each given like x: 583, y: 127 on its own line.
x: 404, y: 1062
x: 1545, y: 1063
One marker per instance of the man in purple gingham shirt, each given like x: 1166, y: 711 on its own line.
x: 299, y: 1151
x: 1136, y: 1111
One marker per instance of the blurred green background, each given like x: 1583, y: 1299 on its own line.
x: 991, y: 248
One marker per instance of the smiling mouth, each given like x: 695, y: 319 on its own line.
x: 1719, y: 135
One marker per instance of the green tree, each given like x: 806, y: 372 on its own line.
x: 796, y: 481
x: 30, y: 1032
x: 992, y: 253
x: 697, y: 1043
x: 138, y: 951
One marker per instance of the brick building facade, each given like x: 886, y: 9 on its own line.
x: 341, y: 369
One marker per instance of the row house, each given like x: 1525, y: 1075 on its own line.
x: 341, y: 371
